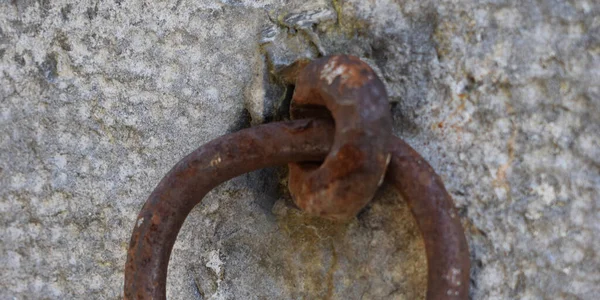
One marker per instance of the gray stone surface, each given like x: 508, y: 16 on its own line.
x: 98, y: 99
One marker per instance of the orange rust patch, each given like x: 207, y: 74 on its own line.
x: 349, y: 158
x: 156, y: 219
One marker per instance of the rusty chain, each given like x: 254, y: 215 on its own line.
x: 349, y: 129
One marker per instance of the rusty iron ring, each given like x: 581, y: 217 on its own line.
x: 349, y: 90
x: 185, y: 185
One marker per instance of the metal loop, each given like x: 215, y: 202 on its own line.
x: 354, y: 168
x: 183, y: 187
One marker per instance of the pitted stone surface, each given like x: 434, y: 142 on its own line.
x: 98, y: 99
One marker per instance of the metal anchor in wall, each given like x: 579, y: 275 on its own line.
x: 340, y: 118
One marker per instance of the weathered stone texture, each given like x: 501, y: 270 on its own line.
x: 98, y: 99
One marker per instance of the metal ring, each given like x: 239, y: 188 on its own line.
x: 272, y: 144
x: 349, y: 90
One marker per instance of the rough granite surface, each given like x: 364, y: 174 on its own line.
x: 99, y: 99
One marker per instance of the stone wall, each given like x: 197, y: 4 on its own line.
x: 99, y: 99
